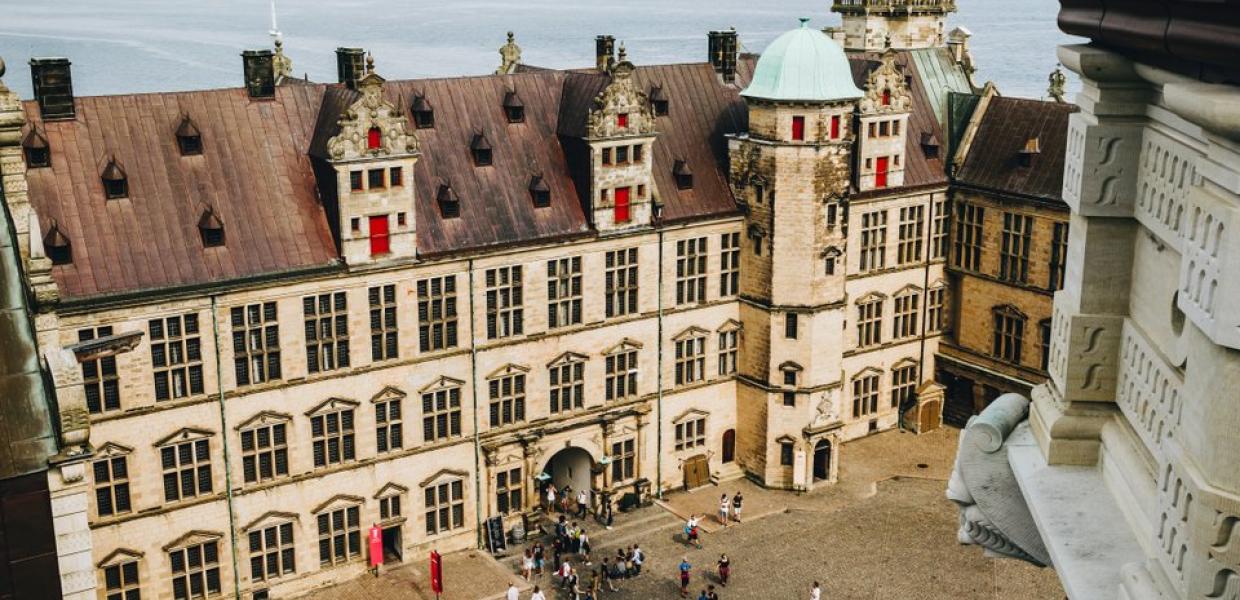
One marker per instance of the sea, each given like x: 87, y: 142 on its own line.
x: 127, y: 46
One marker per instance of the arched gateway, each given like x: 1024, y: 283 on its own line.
x: 571, y: 466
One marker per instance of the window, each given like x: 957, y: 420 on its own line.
x: 340, y: 535
x: 830, y: 258
x: 729, y: 264
x: 606, y: 156
x: 798, y: 129
x: 690, y: 359
x: 441, y: 414
x: 437, y: 318
x: 865, y: 395
x: 374, y: 138
x: 895, y: 130
x: 872, y: 132
x: 835, y: 127
x: 691, y: 271
x: 873, y: 240
x: 728, y: 344
x: 389, y: 507
x: 380, y: 240
x: 621, y: 211
x: 332, y: 433
x: 903, y: 385
x: 481, y: 152
x: 38, y: 154
x: 622, y: 155
x: 1059, y: 256
x: 1008, y: 334
x: 445, y: 507
x: 637, y: 153
x: 515, y: 114
x: 507, y: 394
x: 938, y: 231
x: 327, y: 331
x: 187, y: 469
x: 623, y: 461
x: 389, y: 430
x: 504, y: 311
x: 790, y: 326
x: 621, y: 374
x: 396, y: 178
x: 99, y: 376
x: 195, y: 571
x: 683, y: 175
x: 934, y: 310
x: 383, y: 332
x: 112, y: 486
x: 869, y: 323
x: 121, y: 581
x: 567, y: 385
x: 176, y: 356
x: 508, y: 491
x: 786, y: 452
x: 1044, y: 327
x: 256, y: 343
x: 355, y: 181
x: 620, y: 282
x: 115, y: 183
x: 376, y: 179
x: 691, y: 434
x: 272, y: 552
x: 564, y: 292
x: 907, y: 305
x: 909, y: 250
x: 967, y: 243
x: 759, y: 193
x: 264, y: 452
x: 883, y: 128
x: 423, y: 119
x: 1014, y: 254
x: 790, y: 398
x: 189, y: 145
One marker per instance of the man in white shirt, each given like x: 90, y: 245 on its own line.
x: 583, y: 501
x: 537, y: 595
x: 512, y: 592
x: 815, y: 593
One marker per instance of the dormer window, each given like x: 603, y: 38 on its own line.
x: 38, y: 155
x: 189, y: 139
x: 481, y: 150
x: 540, y: 192
x: 514, y: 109
x: 929, y: 144
x: 449, y: 204
x: 658, y: 101
x: 684, y: 177
x: 115, y: 184
x: 211, y: 228
x: 374, y: 138
x: 56, y: 244
x: 423, y: 113
x: 1033, y: 147
x: 622, y: 120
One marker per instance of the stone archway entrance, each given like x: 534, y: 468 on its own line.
x: 822, y: 460
x: 572, y: 467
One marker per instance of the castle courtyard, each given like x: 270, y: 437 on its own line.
x: 876, y: 534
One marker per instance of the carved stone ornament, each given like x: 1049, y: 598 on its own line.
x: 886, y: 82
x: 993, y: 513
x: 510, y: 56
x: 621, y: 97
x: 828, y: 410
x: 369, y: 112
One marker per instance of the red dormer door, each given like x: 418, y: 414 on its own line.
x: 374, y: 138
x: 622, y: 205
x: 379, y: 241
x: 880, y: 172
x: 835, y: 127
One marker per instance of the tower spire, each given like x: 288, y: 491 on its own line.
x: 274, y: 32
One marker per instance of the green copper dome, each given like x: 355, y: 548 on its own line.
x: 803, y: 65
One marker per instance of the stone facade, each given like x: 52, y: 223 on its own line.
x: 875, y: 25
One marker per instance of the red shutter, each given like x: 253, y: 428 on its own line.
x: 374, y: 138
x: 798, y: 128
x: 880, y: 174
x: 622, y: 120
x: 622, y: 205
x: 886, y: 97
x: 379, y: 236
x: 835, y: 127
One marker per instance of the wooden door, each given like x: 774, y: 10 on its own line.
x: 379, y: 235
x: 697, y: 472
x: 622, y: 205
x: 880, y: 172
x: 929, y: 417
x: 729, y: 446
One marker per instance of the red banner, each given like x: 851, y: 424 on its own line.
x: 376, y: 546
x: 436, y: 573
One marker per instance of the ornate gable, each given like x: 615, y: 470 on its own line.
x: 568, y: 357
x: 119, y: 556
x: 625, y: 345
x: 621, y: 109
x: 338, y: 501
x: 372, y: 112
x: 184, y: 434
x: 193, y: 538
x: 885, y: 89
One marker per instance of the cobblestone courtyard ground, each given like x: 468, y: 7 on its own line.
x: 884, y: 531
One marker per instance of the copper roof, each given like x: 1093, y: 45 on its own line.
x: 1005, y: 132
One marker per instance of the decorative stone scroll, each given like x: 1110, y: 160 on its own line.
x: 885, y: 88
x: 621, y: 109
x: 372, y: 112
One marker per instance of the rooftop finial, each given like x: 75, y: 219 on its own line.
x: 623, y: 54
x: 1058, y: 81
x: 804, y: 22
x: 370, y: 63
x: 275, y: 28
x: 510, y: 56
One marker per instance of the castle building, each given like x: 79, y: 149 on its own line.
x: 1121, y: 469
x: 278, y: 315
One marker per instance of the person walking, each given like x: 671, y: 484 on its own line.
x: 815, y: 593
x: 564, y: 572
x: 538, y: 595
x: 723, y: 509
x: 512, y: 593
x: 527, y: 564
x: 685, y: 567
x: 566, y: 496
x: 736, y: 506
x: 610, y: 575
x: 539, y: 554
x: 691, y: 529
x: 710, y: 593
x: 583, y: 502
x: 725, y: 569
x: 639, y: 557
x: 550, y: 497
x: 585, y: 546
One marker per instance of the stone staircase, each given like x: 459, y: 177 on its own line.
x: 729, y: 472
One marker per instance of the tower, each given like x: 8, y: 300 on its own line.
x: 901, y: 24
x: 793, y: 169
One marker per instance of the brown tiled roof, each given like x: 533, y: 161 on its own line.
x: 253, y: 171
x: 993, y: 161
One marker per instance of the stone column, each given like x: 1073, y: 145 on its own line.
x: 1100, y: 186
x: 607, y: 424
x: 529, y: 453
x: 639, y: 421
x: 67, y: 482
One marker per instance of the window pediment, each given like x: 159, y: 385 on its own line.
x: 508, y: 369
x: 730, y: 325
x: 338, y: 501
x: 332, y: 404
x: 867, y: 372
x: 690, y: 414
x: 194, y: 538
x: 904, y: 362
x: 907, y: 290
x: 1011, y: 310
x: 112, y: 449
x: 790, y: 366
x: 691, y: 332
x: 391, y: 489
x: 443, y: 382
x: 442, y: 476
x: 938, y: 284
x: 755, y: 231
x: 625, y: 345
x: 786, y: 439
x: 388, y: 393
x: 266, y: 417
x: 871, y: 297
x: 118, y: 557
x: 831, y: 252
x: 270, y: 518
x: 185, y: 434
x: 567, y: 358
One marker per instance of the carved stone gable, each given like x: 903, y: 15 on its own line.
x: 885, y: 88
x: 622, y: 109
x: 372, y: 112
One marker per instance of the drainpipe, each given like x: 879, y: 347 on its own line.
x: 473, y: 395
x: 925, y: 302
x: 228, y: 488
x: 658, y: 464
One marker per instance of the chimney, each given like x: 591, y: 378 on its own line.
x: 350, y: 66
x: 604, y: 52
x: 260, y: 73
x: 722, y: 53
x: 53, y: 87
